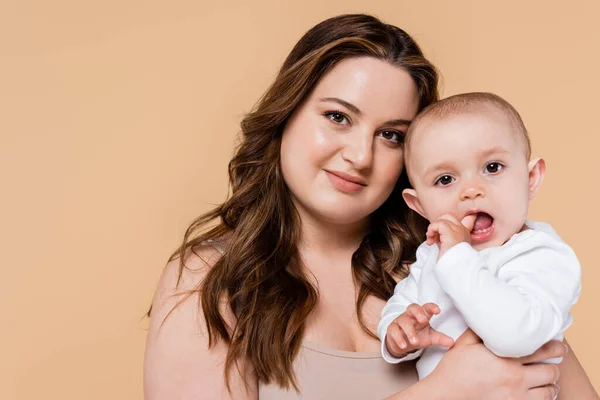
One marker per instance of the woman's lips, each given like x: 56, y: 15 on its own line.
x: 344, y: 182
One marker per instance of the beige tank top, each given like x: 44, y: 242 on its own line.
x: 325, y: 373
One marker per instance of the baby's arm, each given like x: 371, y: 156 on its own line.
x: 525, y: 304
x: 411, y: 332
x: 405, y: 293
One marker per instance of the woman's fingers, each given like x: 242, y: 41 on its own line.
x: 548, y: 392
x: 552, y: 349
x: 537, y: 375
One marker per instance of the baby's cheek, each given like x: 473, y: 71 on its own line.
x: 517, y: 207
x: 436, y: 206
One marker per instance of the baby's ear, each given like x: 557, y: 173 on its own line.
x: 412, y: 200
x: 537, y: 171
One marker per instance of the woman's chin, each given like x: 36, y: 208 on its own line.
x: 341, y: 215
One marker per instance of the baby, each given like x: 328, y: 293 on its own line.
x: 483, y: 266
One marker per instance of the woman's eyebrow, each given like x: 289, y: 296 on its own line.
x: 399, y: 122
x: 356, y: 110
x: 349, y: 106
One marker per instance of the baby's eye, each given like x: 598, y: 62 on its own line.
x: 444, y: 180
x: 336, y: 117
x: 493, y: 168
x: 392, y: 136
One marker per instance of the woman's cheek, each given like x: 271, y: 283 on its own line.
x: 322, y: 147
x: 392, y: 169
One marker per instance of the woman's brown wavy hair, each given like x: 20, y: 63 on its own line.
x: 260, y: 273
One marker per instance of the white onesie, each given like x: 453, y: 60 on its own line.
x: 516, y: 297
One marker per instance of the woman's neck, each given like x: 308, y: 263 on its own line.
x: 330, y: 239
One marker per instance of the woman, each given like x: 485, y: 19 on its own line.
x: 282, y: 296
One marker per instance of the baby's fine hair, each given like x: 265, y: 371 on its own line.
x: 467, y: 103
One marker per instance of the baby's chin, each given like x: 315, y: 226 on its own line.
x: 488, y: 244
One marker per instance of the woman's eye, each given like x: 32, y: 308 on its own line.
x: 444, y: 180
x: 493, y: 168
x: 392, y: 136
x: 337, y: 117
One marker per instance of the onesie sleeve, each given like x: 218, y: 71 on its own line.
x: 405, y: 293
x: 525, y: 303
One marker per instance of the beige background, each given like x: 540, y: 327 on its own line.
x: 117, y: 119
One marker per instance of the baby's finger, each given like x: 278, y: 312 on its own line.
x: 431, y: 239
x: 431, y: 309
x: 437, y: 227
x: 450, y: 218
x: 469, y: 221
x: 418, y: 313
x: 432, y: 235
x: 395, y: 340
x: 408, y: 328
x: 444, y: 229
x: 439, y: 339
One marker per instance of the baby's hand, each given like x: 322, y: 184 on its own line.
x: 411, y: 331
x: 447, y: 231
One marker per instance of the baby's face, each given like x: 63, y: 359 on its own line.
x: 472, y: 164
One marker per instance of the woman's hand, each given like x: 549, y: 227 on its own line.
x: 478, y: 373
x: 469, y: 371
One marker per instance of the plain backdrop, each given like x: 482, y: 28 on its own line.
x: 118, y: 118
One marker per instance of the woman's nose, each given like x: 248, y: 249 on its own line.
x: 358, y: 150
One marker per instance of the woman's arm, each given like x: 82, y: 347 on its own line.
x: 574, y: 382
x: 469, y: 371
x: 178, y: 363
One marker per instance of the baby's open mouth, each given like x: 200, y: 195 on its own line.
x: 483, y: 222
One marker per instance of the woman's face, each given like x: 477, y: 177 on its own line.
x: 341, y: 152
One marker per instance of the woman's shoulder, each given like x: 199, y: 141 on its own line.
x: 177, y: 294
x: 184, y: 273
x: 179, y: 361
x: 181, y: 279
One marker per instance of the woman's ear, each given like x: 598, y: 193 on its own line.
x: 537, y: 171
x: 412, y: 200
